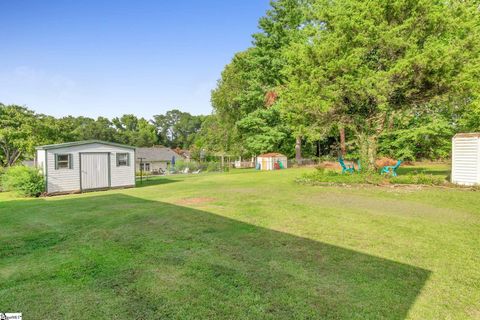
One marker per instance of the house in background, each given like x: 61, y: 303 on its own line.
x: 186, y: 154
x: 86, y: 165
x: 155, y: 159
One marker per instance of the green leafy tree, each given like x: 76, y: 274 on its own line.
x: 177, y: 129
x: 135, y: 131
x: 20, y: 132
x: 360, y: 62
x: 263, y: 131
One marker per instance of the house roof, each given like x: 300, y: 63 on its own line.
x: 183, y: 152
x: 79, y: 143
x: 272, y: 154
x: 157, y: 154
x: 467, y: 135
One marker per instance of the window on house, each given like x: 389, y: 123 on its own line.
x: 63, y: 161
x: 123, y: 159
x: 145, y: 166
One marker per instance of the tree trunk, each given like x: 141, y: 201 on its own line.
x: 368, y: 151
x: 343, y: 148
x: 298, y: 150
x: 318, y: 150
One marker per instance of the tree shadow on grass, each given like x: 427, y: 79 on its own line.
x: 153, y: 181
x: 117, y: 256
x: 429, y: 171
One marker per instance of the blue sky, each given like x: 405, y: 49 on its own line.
x: 107, y: 58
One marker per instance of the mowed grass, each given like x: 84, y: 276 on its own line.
x: 242, y: 245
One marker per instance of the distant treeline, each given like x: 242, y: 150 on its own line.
x: 22, y: 129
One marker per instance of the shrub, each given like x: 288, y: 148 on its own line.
x: 2, y: 172
x: 24, y: 180
x: 419, y: 178
x: 213, y: 166
x: 191, y: 165
x: 324, y: 176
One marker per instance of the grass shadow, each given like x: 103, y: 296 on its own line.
x: 153, y: 181
x: 114, y: 256
x: 425, y: 170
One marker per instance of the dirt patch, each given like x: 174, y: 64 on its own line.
x: 190, y: 201
x: 330, y: 165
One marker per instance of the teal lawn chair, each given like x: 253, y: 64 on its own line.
x: 391, y: 169
x: 350, y: 168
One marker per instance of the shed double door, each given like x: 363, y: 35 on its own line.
x: 94, y: 170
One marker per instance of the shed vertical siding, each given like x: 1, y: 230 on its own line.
x: 95, y: 171
x: 465, y: 160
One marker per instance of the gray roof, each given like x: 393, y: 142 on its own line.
x: 79, y: 143
x: 157, y: 154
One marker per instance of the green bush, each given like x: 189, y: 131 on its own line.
x: 2, y: 172
x: 25, y: 181
x: 419, y: 178
x: 323, y: 176
x: 213, y: 166
x: 191, y: 165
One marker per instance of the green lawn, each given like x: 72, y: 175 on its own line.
x: 242, y: 245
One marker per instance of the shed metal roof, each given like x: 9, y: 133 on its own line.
x: 79, y: 143
x: 157, y: 154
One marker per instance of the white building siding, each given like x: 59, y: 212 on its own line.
x: 465, y: 160
x: 62, y: 180
x: 68, y: 180
x: 122, y: 176
x: 154, y: 165
x: 40, y: 160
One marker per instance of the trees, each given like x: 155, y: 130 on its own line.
x: 263, y: 131
x: 249, y: 84
x: 20, y: 131
x: 176, y: 128
x: 134, y: 131
x: 360, y: 63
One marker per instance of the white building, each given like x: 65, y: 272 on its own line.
x: 86, y: 165
x: 156, y: 159
x: 466, y: 159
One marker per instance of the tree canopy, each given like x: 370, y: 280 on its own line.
x: 21, y: 129
x: 399, y: 76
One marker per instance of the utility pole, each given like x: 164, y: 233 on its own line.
x: 141, y: 169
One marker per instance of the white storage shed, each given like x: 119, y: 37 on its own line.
x: 271, y: 161
x: 466, y: 159
x: 86, y: 165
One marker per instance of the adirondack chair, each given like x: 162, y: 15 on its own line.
x: 350, y: 168
x: 391, y: 169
